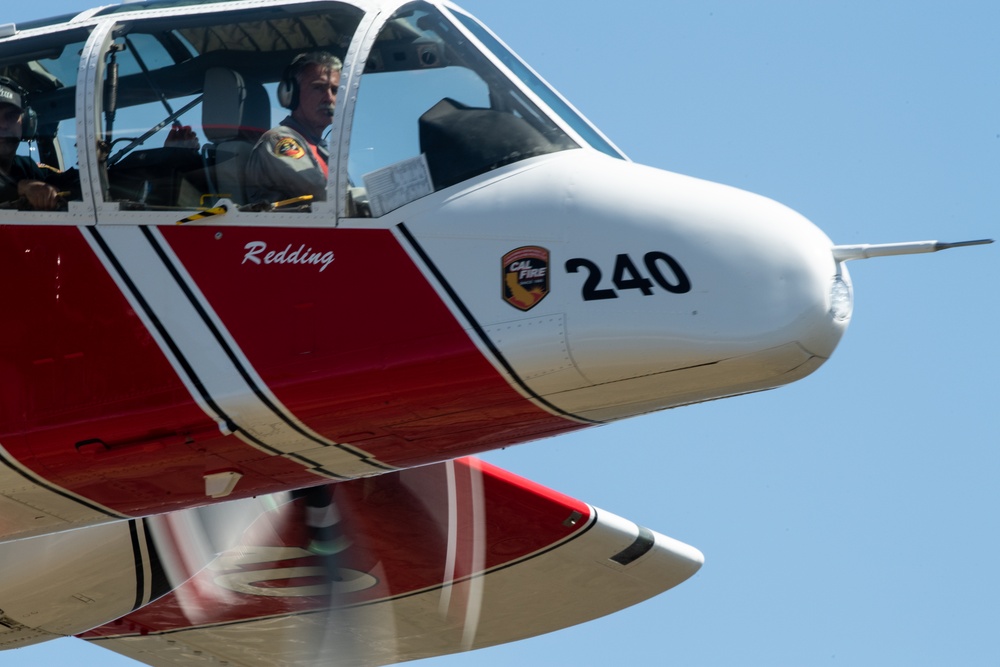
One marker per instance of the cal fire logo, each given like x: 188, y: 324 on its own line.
x: 525, y: 276
x: 288, y: 147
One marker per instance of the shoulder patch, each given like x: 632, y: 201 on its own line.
x: 289, y: 147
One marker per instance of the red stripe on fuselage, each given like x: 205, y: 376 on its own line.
x: 87, y: 399
x: 360, y: 348
x: 352, y: 339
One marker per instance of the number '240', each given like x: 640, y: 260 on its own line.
x: 664, y: 270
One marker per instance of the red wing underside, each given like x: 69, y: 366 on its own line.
x: 443, y: 558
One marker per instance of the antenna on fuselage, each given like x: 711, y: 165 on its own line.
x: 844, y: 253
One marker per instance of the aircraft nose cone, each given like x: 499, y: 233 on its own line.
x: 658, y: 289
x: 709, y: 290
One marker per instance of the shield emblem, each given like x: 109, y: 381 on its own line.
x: 525, y: 276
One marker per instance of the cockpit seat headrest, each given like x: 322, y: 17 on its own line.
x: 223, y: 105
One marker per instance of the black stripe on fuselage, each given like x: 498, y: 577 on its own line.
x: 238, y: 364
x: 175, y: 349
x: 494, y: 350
x: 186, y: 365
x: 37, y: 480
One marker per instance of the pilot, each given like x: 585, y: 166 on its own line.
x: 20, y: 177
x: 291, y: 160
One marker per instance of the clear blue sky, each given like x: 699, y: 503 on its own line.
x: 850, y: 518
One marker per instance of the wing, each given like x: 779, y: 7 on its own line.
x: 423, y: 562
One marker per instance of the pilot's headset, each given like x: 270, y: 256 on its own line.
x: 288, y: 87
x: 29, y: 121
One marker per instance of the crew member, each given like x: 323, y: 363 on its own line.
x: 20, y: 177
x: 291, y: 160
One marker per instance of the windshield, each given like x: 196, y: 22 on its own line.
x: 432, y: 112
x: 539, y: 87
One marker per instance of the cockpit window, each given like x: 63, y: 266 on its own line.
x: 539, y: 87
x: 38, y: 76
x: 187, y: 98
x: 432, y: 111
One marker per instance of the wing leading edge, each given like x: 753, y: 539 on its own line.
x: 432, y: 561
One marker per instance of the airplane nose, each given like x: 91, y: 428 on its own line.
x: 704, y: 291
x: 661, y: 289
x: 625, y: 289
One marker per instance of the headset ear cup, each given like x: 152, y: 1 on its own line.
x: 29, y: 124
x: 288, y: 88
x: 29, y: 119
x: 288, y: 93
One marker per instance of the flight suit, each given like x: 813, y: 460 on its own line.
x: 24, y: 168
x: 285, y: 163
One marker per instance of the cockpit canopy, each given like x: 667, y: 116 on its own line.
x: 431, y: 101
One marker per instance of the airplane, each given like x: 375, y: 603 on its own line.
x: 200, y: 334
